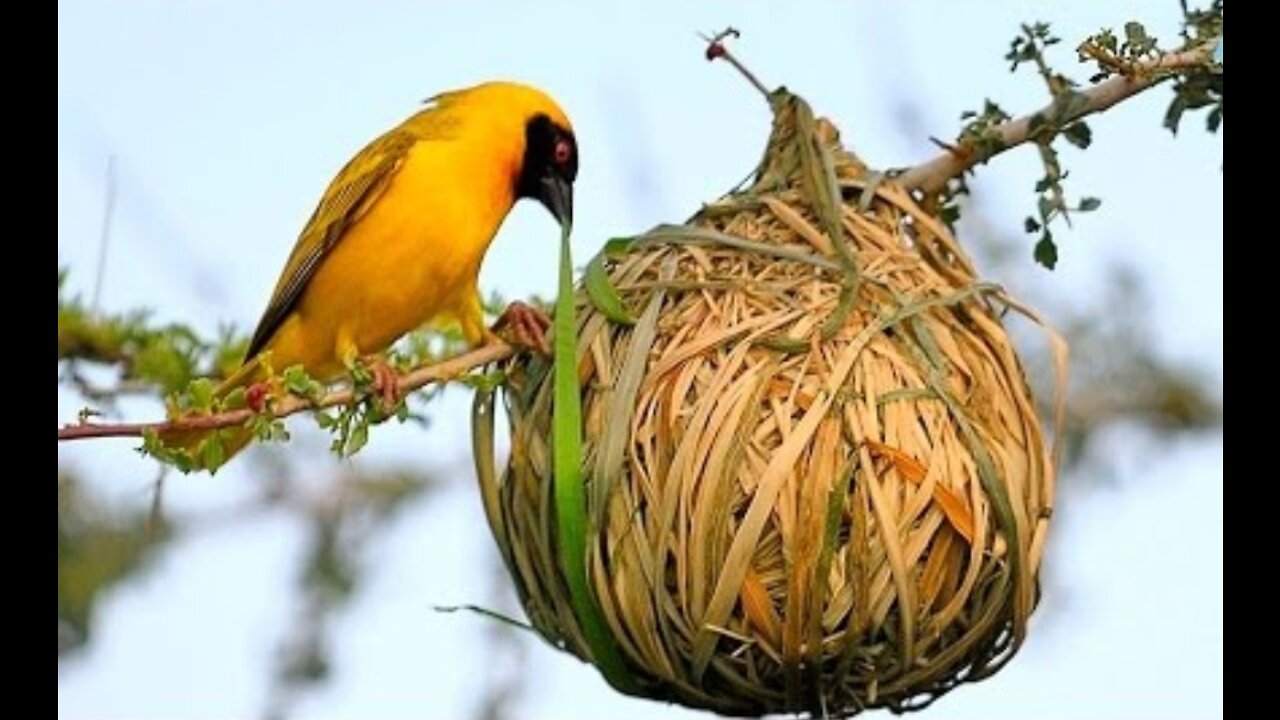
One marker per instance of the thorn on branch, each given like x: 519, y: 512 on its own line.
x: 956, y: 151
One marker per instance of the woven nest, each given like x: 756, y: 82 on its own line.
x: 815, y: 477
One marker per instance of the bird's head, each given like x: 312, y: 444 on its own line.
x: 550, y: 166
x: 545, y: 164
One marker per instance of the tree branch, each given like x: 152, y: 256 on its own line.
x: 290, y: 404
x: 933, y: 175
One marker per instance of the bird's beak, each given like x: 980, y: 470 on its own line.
x: 556, y: 194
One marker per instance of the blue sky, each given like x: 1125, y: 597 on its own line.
x: 228, y: 119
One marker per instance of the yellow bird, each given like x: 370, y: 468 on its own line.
x: 398, y: 237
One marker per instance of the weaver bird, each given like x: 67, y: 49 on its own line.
x: 398, y: 238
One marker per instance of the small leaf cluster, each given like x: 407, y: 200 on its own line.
x: 174, y: 362
x: 981, y: 134
x: 1200, y: 89
x: 1196, y: 88
x: 1060, y: 120
x: 149, y: 356
x: 1126, y: 53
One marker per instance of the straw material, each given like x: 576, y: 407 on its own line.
x: 815, y: 478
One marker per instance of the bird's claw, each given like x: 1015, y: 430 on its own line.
x: 525, y: 326
x: 385, y: 382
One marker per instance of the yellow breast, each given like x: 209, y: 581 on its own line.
x: 412, y: 258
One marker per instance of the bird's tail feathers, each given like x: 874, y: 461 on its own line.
x: 209, y: 449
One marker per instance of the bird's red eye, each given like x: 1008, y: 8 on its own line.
x: 562, y: 152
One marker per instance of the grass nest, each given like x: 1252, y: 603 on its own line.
x: 814, y: 476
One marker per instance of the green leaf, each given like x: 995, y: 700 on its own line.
x: 602, y: 293
x: 1045, y: 206
x: 1090, y: 204
x: 1135, y: 34
x: 358, y: 438
x: 296, y: 380
x: 1173, y: 116
x: 267, y: 428
x: 1046, y: 251
x: 1030, y: 225
x: 234, y: 399
x: 212, y: 453
x: 361, y: 375
x: 614, y: 247
x: 1078, y: 134
x: 1107, y: 40
x: 154, y: 447
x: 484, y: 382
x: 1214, y: 120
x: 200, y: 393
x: 569, y: 491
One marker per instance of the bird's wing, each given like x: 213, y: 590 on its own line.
x: 356, y: 188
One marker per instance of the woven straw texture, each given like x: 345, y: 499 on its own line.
x: 815, y: 474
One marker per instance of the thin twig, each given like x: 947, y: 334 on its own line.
x: 105, y: 395
x: 156, y: 516
x: 104, y: 239
x: 716, y: 49
x: 933, y: 175
x: 290, y: 404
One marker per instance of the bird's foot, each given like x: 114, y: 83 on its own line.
x: 524, y: 326
x: 382, y: 379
